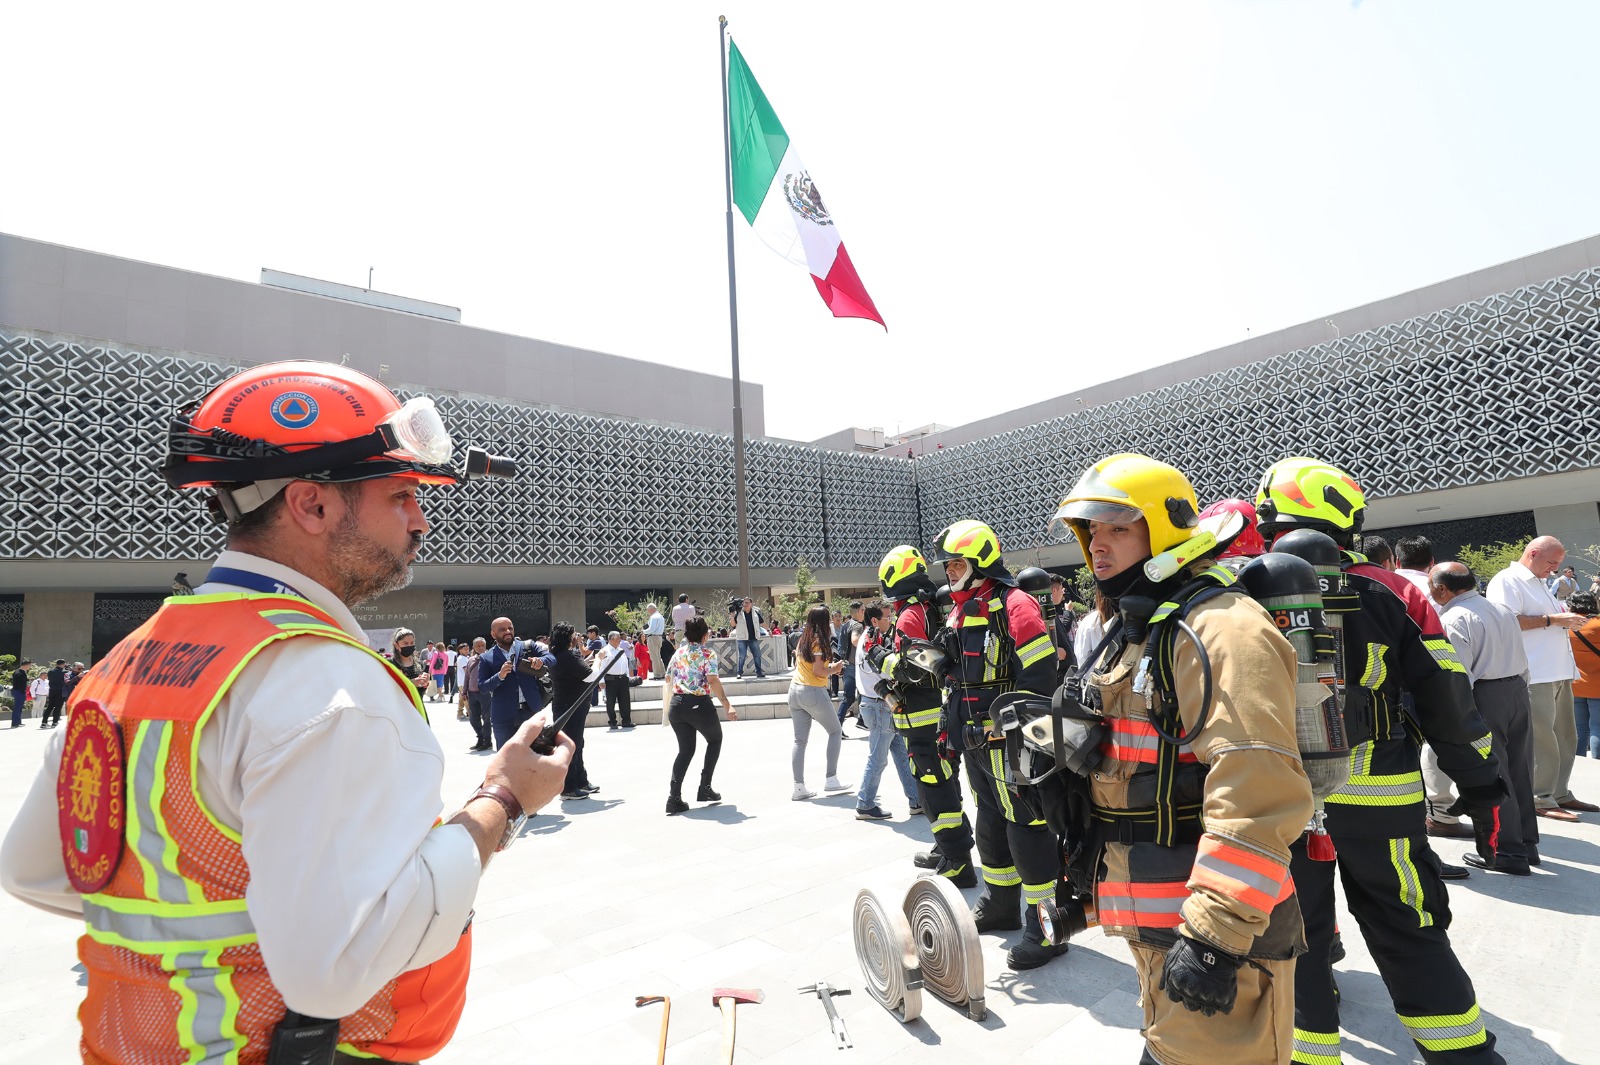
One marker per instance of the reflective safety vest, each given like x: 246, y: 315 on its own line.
x: 175, y: 973
x: 981, y: 669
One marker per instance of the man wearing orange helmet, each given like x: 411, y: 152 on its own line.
x: 997, y: 642
x: 1393, y: 644
x: 248, y: 892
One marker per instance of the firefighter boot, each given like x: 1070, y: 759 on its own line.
x: 999, y: 909
x: 1033, y: 951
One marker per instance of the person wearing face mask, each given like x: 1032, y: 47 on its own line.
x: 407, y: 660
x: 996, y: 642
x: 1199, y: 790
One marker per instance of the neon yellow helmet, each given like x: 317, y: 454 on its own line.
x: 1126, y: 488
x: 977, y: 544
x: 1303, y: 492
x: 903, y: 573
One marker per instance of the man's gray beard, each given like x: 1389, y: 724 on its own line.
x: 365, y: 568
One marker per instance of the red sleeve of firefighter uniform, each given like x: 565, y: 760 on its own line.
x: 1036, y: 655
x: 1257, y: 798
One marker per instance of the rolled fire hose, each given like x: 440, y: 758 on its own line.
x: 947, y: 943
x: 887, y: 955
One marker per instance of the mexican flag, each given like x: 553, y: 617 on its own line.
x: 775, y: 193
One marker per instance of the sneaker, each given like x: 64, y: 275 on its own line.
x: 915, y: 810
x: 862, y: 725
x: 874, y: 813
x: 801, y: 793
x: 833, y: 786
x: 590, y: 789
x: 575, y: 794
x: 627, y: 725
x: 611, y: 726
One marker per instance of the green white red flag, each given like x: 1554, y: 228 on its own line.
x: 775, y: 193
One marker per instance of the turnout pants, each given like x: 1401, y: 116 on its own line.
x: 1015, y: 846
x: 1396, y: 896
x: 1258, y: 1031
x: 939, y: 794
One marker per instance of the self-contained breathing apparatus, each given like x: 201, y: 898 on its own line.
x: 1054, y: 745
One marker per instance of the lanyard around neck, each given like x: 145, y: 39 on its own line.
x: 256, y: 582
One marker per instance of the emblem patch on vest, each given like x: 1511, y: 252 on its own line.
x: 89, y: 797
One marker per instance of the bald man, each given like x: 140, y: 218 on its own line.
x: 1489, y: 645
x: 1520, y: 588
x: 508, y: 674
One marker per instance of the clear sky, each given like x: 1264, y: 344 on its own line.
x: 1039, y: 197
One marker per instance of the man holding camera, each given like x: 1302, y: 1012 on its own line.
x: 509, y: 674
x: 249, y: 892
x: 744, y: 625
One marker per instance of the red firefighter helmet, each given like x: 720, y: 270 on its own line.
x: 1248, y: 543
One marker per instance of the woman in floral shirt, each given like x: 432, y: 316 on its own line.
x: 693, y: 676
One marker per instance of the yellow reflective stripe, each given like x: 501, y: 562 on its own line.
x: 1397, y: 789
x: 1454, y: 1031
x: 296, y: 619
x: 997, y: 766
x: 916, y: 719
x: 354, y: 1053
x: 1220, y: 574
x: 1484, y: 745
x: 208, y: 1011
x: 1444, y: 654
x: 1315, y: 1048
x: 945, y: 822
x: 192, y: 890
x: 1034, y: 650
x: 1410, y: 880
x: 1004, y: 876
x: 973, y: 620
x: 1163, y: 612
x: 1033, y: 894
x: 996, y: 605
x: 1376, y: 672
x: 159, y: 927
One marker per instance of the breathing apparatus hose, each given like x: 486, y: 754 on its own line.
x: 1168, y: 654
x: 888, y: 955
x: 947, y: 943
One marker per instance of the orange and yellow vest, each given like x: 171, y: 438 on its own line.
x: 174, y: 970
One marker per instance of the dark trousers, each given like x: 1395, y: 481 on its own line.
x: 1015, y: 846
x: 618, y: 693
x: 577, y: 771
x: 1506, y: 710
x: 18, y: 697
x: 847, y: 680
x: 52, y: 708
x: 505, y: 726
x: 695, y: 715
x: 478, y: 714
x: 450, y: 683
x: 1398, y: 900
x: 939, y: 794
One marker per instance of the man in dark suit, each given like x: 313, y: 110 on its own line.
x: 508, y: 673
x: 57, y: 696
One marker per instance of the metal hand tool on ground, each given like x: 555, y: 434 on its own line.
x: 727, y: 999
x: 666, y: 1014
x: 825, y: 992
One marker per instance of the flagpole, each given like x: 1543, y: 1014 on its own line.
x: 741, y: 510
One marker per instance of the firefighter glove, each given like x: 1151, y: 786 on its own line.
x: 1202, y: 977
x: 1479, y: 802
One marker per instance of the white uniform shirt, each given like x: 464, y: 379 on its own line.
x: 1549, y: 649
x: 350, y: 885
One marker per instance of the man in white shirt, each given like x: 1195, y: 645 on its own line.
x: 654, y: 630
x: 615, y: 662
x: 681, y: 613
x: 281, y: 815
x: 1413, y: 557
x: 1520, y: 588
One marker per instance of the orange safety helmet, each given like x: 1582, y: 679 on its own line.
x: 1248, y: 543
x: 303, y: 420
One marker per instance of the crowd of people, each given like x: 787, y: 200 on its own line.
x: 1250, y: 706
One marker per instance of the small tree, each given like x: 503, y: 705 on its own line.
x: 791, y: 609
x: 1083, y: 582
x: 1486, y: 561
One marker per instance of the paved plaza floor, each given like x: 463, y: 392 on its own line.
x: 607, y: 899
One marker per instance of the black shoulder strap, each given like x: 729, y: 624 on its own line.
x: 1586, y: 642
